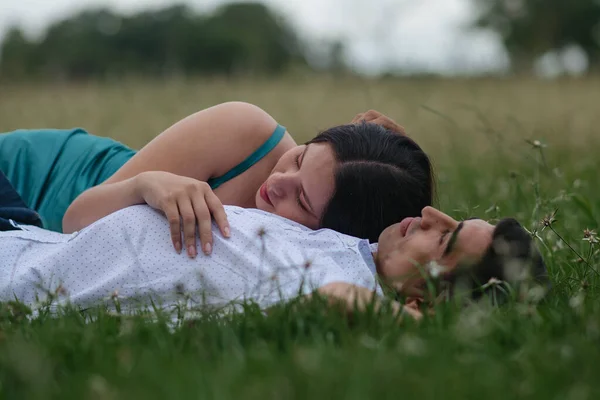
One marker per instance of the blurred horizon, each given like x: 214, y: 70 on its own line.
x: 369, y: 37
x: 406, y: 36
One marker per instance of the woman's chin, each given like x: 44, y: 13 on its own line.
x: 261, y: 205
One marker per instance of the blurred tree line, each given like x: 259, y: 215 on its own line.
x: 532, y: 28
x: 247, y: 38
x: 239, y: 38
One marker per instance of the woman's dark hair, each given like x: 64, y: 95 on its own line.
x: 381, y: 178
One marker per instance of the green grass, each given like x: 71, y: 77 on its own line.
x: 477, y: 133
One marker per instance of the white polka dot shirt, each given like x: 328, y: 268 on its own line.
x: 128, y: 257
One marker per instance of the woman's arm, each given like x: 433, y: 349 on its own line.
x: 204, y: 145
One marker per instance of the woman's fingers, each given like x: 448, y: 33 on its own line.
x: 197, y: 208
x: 204, y: 221
x: 188, y: 217
x: 172, y: 213
x: 189, y: 206
x: 371, y: 115
x: 389, y: 124
x: 218, y: 213
x: 357, y: 119
x: 375, y: 117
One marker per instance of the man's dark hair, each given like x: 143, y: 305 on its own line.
x: 381, y: 178
x: 512, y: 257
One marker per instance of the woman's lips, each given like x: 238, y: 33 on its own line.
x: 264, y: 194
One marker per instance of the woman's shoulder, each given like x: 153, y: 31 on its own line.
x: 237, y: 130
x: 243, y: 122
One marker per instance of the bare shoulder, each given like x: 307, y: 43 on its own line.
x: 234, y: 118
x: 239, y: 127
x: 205, y: 144
x: 234, y: 122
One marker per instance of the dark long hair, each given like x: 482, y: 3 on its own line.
x: 381, y: 178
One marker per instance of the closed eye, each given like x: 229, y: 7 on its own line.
x: 453, y: 237
x: 443, y: 236
x: 300, y: 203
x: 298, y: 197
x: 308, y: 207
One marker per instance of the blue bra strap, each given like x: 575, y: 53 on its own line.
x: 251, y: 160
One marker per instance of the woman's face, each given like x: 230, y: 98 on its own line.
x: 301, y: 184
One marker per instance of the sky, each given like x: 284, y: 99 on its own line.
x: 379, y: 35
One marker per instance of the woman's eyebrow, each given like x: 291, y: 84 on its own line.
x: 453, y: 237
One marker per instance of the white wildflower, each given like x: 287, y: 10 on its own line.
x: 434, y: 269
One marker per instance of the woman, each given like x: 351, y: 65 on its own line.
x: 345, y: 177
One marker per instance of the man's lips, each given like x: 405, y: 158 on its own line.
x: 406, y: 224
x: 264, y: 194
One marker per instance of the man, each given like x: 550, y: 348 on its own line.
x: 472, y: 252
x: 268, y: 259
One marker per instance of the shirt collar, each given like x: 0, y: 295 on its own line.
x: 366, y: 250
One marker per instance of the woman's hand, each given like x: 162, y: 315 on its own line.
x: 375, y: 117
x: 184, y: 201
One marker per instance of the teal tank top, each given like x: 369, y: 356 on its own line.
x: 51, y: 167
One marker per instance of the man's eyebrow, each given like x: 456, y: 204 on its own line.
x: 304, y: 191
x: 453, y: 237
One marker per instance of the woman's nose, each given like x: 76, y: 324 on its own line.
x: 281, y: 184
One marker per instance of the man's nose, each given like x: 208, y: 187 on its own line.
x: 432, y: 218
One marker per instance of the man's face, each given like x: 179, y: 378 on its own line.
x: 415, y: 242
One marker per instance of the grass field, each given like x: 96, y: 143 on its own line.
x: 521, y: 148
